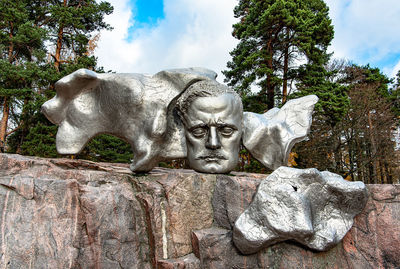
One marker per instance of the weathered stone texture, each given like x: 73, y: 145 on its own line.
x: 176, y: 202
x: 57, y: 217
x: 374, y: 240
x: 60, y: 213
x: 232, y: 195
x: 187, y: 262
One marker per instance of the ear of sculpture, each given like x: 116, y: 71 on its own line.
x: 270, y: 136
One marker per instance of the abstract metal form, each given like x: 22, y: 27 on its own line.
x: 133, y: 107
x: 313, y: 208
x: 143, y: 110
x: 185, y: 113
x: 270, y: 136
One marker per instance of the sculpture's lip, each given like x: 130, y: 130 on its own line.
x: 212, y: 158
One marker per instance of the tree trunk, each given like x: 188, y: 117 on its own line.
x: 373, y: 157
x: 389, y: 177
x: 57, y: 56
x: 60, y: 35
x: 270, y: 86
x: 285, y: 70
x: 11, y: 45
x: 6, y: 101
x: 4, y: 123
x: 23, y: 126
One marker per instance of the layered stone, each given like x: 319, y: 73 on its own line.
x: 61, y: 213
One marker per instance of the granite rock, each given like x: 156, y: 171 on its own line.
x: 176, y: 203
x: 187, y: 262
x: 232, y: 195
x: 62, y: 213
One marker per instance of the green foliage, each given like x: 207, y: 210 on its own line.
x: 107, y: 148
x: 40, y: 141
x: 273, y: 35
x: 395, y: 95
x: 333, y: 99
x: 248, y: 164
x: 30, y: 68
x: 358, y: 141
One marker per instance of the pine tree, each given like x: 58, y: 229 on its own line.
x: 274, y: 36
x: 356, y: 141
x: 69, y: 30
x: 22, y: 51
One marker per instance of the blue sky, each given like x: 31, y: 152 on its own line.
x: 145, y: 13
x: 151, y: 35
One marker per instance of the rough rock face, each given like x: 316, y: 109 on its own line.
x: 69, y: 214
x: 175, y: 203
x: 313, y: 208
x: 60, y: 213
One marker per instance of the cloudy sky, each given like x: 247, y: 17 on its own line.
x: 152, y: 35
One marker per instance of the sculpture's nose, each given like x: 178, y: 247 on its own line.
x: 213, y: 139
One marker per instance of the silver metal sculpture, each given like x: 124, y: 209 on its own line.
x: 143, y: 110
x: 134, y: 107
x: 270, y: 136
x: 212, y: 115
x: 185, y: 113
x: 313, y: 208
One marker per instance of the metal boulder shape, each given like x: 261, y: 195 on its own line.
x: 311, y: 207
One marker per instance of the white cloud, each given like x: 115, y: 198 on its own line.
x: 366, y: 31
x: 198, y: 33
x: 193, y: 33
x: 395, y: 70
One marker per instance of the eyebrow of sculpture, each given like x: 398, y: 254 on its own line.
x: 218, y: 124
x: 200, y: 125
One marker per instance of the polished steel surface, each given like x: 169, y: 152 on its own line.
x: 144, y: 110
x: 212, y: 117
x: 270, y: 136
x: 133, y: 107
x: 311, y: 207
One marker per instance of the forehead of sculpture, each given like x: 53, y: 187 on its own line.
x: 214, y: 104
x: 224, y: 107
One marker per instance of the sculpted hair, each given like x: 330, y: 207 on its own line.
x: 204, y: 88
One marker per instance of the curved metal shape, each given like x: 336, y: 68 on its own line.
x: 313, y: 208
x: 270, y: 136
x: 133, y: 107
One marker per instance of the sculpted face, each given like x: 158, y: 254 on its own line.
x: 213, y: 128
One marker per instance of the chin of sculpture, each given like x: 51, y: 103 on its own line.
x: 185, y: 113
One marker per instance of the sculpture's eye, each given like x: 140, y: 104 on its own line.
x: 199, y: 132
x: 226, y: 130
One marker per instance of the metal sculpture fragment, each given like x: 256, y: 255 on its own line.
x: 270, y: 136
x: 212, y: 117
x: 313, y: 208
x: 133, y: 107
x: 143, y: 110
